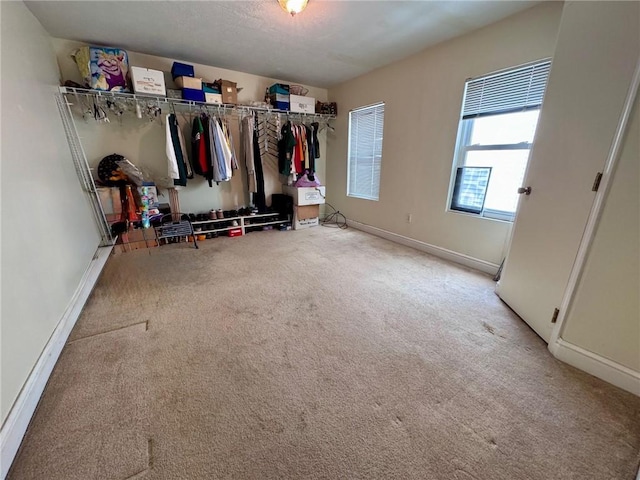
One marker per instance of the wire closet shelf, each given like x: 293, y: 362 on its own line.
x: 189, y: 105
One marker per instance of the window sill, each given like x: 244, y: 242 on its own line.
x: 363, y: 198
x: 479, y: 217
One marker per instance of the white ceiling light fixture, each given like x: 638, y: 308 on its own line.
x: 293, y: 6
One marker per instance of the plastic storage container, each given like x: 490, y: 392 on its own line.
x: 193, y: 94
x: 182, y: 70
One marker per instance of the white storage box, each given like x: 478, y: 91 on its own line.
x: 300, y: 104
x: 149, y: 81
x: 306, y: 195
x: 213, y: 98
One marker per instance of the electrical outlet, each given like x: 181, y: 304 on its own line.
x: 409, y: 218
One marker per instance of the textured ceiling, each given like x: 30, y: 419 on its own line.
x: 328, y: 43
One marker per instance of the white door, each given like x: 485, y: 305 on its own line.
x: 592, y: 70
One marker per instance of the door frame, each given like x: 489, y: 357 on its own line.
x: 590, y: 362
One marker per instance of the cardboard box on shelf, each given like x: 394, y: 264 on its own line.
x: 306, y: 195
x: 146, y: 80
x: 188, y: 82
x: 235, y: 232
x: 229, y: 91
x: 300, y: 104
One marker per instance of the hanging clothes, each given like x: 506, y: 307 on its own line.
x: 222, y: 151
x: 173, y: 171
x: 311, y: 165
x: 314, y: 139
x: 226, y: 131
x: 259, y: 199
x: 183, y: 149
x: 201, y: 163
x: 246, y: 133
x: 217, y: 159
x: 286, y: 147
x: 176, y: 156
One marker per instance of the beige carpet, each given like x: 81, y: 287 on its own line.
x: 316, y: 354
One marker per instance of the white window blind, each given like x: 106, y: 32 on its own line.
x: 518, y: 89
x: 366, y: 125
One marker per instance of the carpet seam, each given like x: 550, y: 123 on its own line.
x: 144, y: 472
x: 146, y: 324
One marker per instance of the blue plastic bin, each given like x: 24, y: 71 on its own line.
x: 193, y: 94
x: 182, y: 70
x: 279, y: 88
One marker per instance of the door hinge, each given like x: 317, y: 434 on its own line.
x: 554, y: 318
x: 596, y: 182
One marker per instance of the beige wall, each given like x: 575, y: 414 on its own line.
x: 423, y: 97
x: 605, y: 314
x: 48, y: 232
x: 143, y: 143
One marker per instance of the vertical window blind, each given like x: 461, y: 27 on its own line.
x: 515, y: 90
x: 366, y: 125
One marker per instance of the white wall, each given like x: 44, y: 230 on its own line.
x: 605, y: 314
x: 48, y: 232
x: 423, y: 96
x: 143, y: 143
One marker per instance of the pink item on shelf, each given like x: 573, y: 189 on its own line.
x: 304, y: 180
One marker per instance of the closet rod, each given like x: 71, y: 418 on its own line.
x: 177, y: 102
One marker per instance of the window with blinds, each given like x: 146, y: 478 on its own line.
x: 515, y: 90
x: 497, y: 126
x: 366, y: 126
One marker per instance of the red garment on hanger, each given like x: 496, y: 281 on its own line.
x: 299, y: 149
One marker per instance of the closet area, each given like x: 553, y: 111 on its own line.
x: 156, y: 163
x: 187, y: 147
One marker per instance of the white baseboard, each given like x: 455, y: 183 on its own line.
x: 450, y: 255
x: 596, y: 365
x: 15, y: 426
